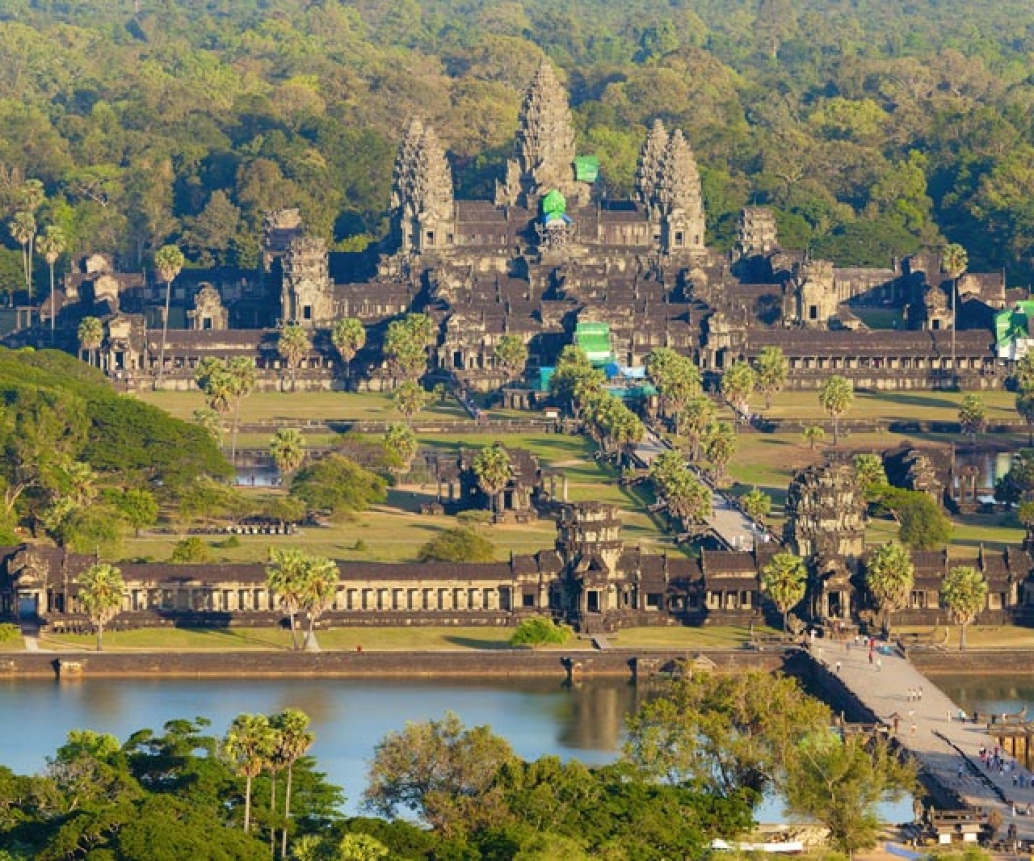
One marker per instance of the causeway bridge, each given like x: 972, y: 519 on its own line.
x: 945, y: 747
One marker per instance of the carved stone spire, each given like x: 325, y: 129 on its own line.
x: 432, y: 188
x: 421, y: 191
x: 680, y: 198
x: 405, y: 165
x: 545, y: 142
x: 651, y: 161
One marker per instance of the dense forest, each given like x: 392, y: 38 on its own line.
x: 872, y: 127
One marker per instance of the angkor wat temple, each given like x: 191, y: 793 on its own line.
x: 550, y: 251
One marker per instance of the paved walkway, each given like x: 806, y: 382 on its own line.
x: 930, y: 730
x: 727, y: 521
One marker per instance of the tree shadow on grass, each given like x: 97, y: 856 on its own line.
x: 927, y: 401
x: 475, y: 643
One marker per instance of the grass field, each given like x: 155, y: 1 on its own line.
x: 387, y: 639
x: 394, y: 532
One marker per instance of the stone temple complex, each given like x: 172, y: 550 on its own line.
x: 547, y: 253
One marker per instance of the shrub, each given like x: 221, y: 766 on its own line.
x: 191, y: 549
x: 540, y: 631
x: 9, y: 633
x: 458, y: 545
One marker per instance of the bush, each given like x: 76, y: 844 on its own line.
x: 359, y: 545
x: 9, y: 633
x: 458, y: 545
x: 540, y: 631
x: 228, y: 543
x: 191, y: 549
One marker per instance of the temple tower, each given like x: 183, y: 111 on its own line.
x: 422, y: 202
x: 306, y: 292
x: 589, y: 543
x: 680, y: 198
x: 825, y: 512
x: 649, y: 168
x: 545, y: 147
x: 815, y: 293
x: 756, y: 232
x: 825, y: 525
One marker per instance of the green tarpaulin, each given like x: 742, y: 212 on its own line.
x: 553, y: 205
x: 586, y: 168
x: 594, y: 340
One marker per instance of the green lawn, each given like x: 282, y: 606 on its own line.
x: 388, y: 639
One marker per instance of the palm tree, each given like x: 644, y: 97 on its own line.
x: 320, y: 587
x: 785, y: 579
x: 954, y: 261
x: 91, y: 336
x: 100, y: 595
x: 493, y: 469
x: 285, y: 577
x: 52, y: 245
x: 348, y: 337
x: 287, y: 448
x: 23, y: 231
x: 964, y: 594
x: 836, y: 396
x: 889, y: 575
x: 168, y: 261
x: 242, y: 376
x: 248, y: 745
x: 293, y: 740
x: 293, y: 346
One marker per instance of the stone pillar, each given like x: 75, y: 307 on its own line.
x: 563, y: 490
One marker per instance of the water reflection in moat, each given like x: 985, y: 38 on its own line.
x: 349, y: 716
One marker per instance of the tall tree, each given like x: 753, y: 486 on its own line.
x: 286, y: 572
x: 493, y: 470
x: 719, y: 447
x: 575, y: 382
x: 839, y: 780
x: 677, y: 380
x: 23, y: 231
x: 785, y: 579
x: 771, y: 368
x: 248, y: 745
x: 697, y: 418
x: 91, y: 336
x: 287, y: 448
x: 100, y: 590
x: 442, y: 771
x: 889, y: 576
x: 168, y: 263
x: 972, y: 416
x: 511, y: 355
x: 835, y: 397
x: 242, y: 376
x: 400, y: 445
x: 724, y: 733
x: 293, y: 740
x: 964, y: 594
x: 406, y: 345
x: 409, y: 398
x: 348, y: 337
x: 954, y: 261
x: 52, y: 244
x: 293, y: 345
x: 1025, y: 407
x: 317, y: 596
x: 738, y: 383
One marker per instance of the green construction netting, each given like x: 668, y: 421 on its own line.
x: 1012, y: 323
x: 586, y: 168
x: 594, y: 340
x: 553, y: 204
